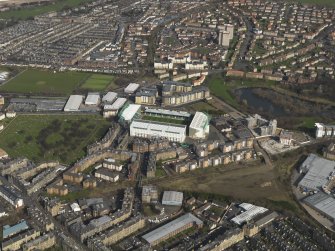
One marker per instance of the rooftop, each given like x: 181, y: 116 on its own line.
x: 318, y: 170
x: 157, y: 126
x: 170, y: 227
x: 199, y: 121
x: 322, y: 202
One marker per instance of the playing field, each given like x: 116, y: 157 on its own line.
x: 34, y: 81
x: 24, y: 13
x: 99, y: 82
x: 52, y: 137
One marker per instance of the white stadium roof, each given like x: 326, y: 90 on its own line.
x: 199, y: 121
x: 109, y: 97
x: 157, y: 126
x: 73, y: 103
x: 130, y: 112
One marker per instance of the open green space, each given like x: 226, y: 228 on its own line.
x: 34, y: 81
x: 99, y: 82
x: 164, y: 120
x: 52, y: 137
x: 29, y: 12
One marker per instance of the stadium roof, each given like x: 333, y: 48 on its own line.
x: 73, y: 103
x: 92, y: 98
x: 322, y: 202
x: 317, y: 170
x: 168, y: 112
x: 157, y: 126
x: 199, y: 121
x: 170, y: 227
x: 251, y: 212
x: 129, y: 112
x: 109, y: 97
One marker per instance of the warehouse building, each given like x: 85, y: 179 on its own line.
x: 323, y: 203
x: 131, y: 88
x: 318, y: 172
x: 199, y: 127
x: 74, y: 103
x: 129, y: 112
x: 250, y: 212
x: 109, y: 97
x: 93, y: 98
x: 172, y: 229
x: 150, y: 129
x: 172, y: 198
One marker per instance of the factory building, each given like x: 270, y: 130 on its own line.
x: 73, y: 103
x: 172, y: 229
x: 323, y: 203
x: 93, y: 98
x: 109, y: 98
x: 319, y: 174
x: 151, y: 129
x: 199, y: 127
x: 172, y: 198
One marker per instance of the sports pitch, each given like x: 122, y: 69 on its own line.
x: 52, y: 137
x: 34, y: 81
x: 99, y: 82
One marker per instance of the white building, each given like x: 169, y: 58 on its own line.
x: 148, y: 129
x: 106, y: 174
x: 129, y: 113
x: 131, y: 88
x: 323, y: 130
x: 113, y: 109
x: 109, y: 97
x: 73, y: 103
x: 2, y: 116
x: 199, y: 127
x: 10, y: 114
x: 172, y: 198
x: 112, y: 164
x: 92, y: 98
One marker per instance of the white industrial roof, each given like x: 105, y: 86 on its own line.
x: 168, y: 112
x: 116, y: 105
x: 251, y: 212
x: 130, y: 112
x: 109, y: 97
x: 158, y: 127
x: 131, y: 88
x: 318, y: 171
x: 170, y: 227
x: 199, y: 121
x: 73, y: 103
x: 92, y: 98
x: 172, y: 196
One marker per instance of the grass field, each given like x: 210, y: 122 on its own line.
x: 51, y: 137
x: 34, y: 81
x: 99, y: 82
x: 26, y: 13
